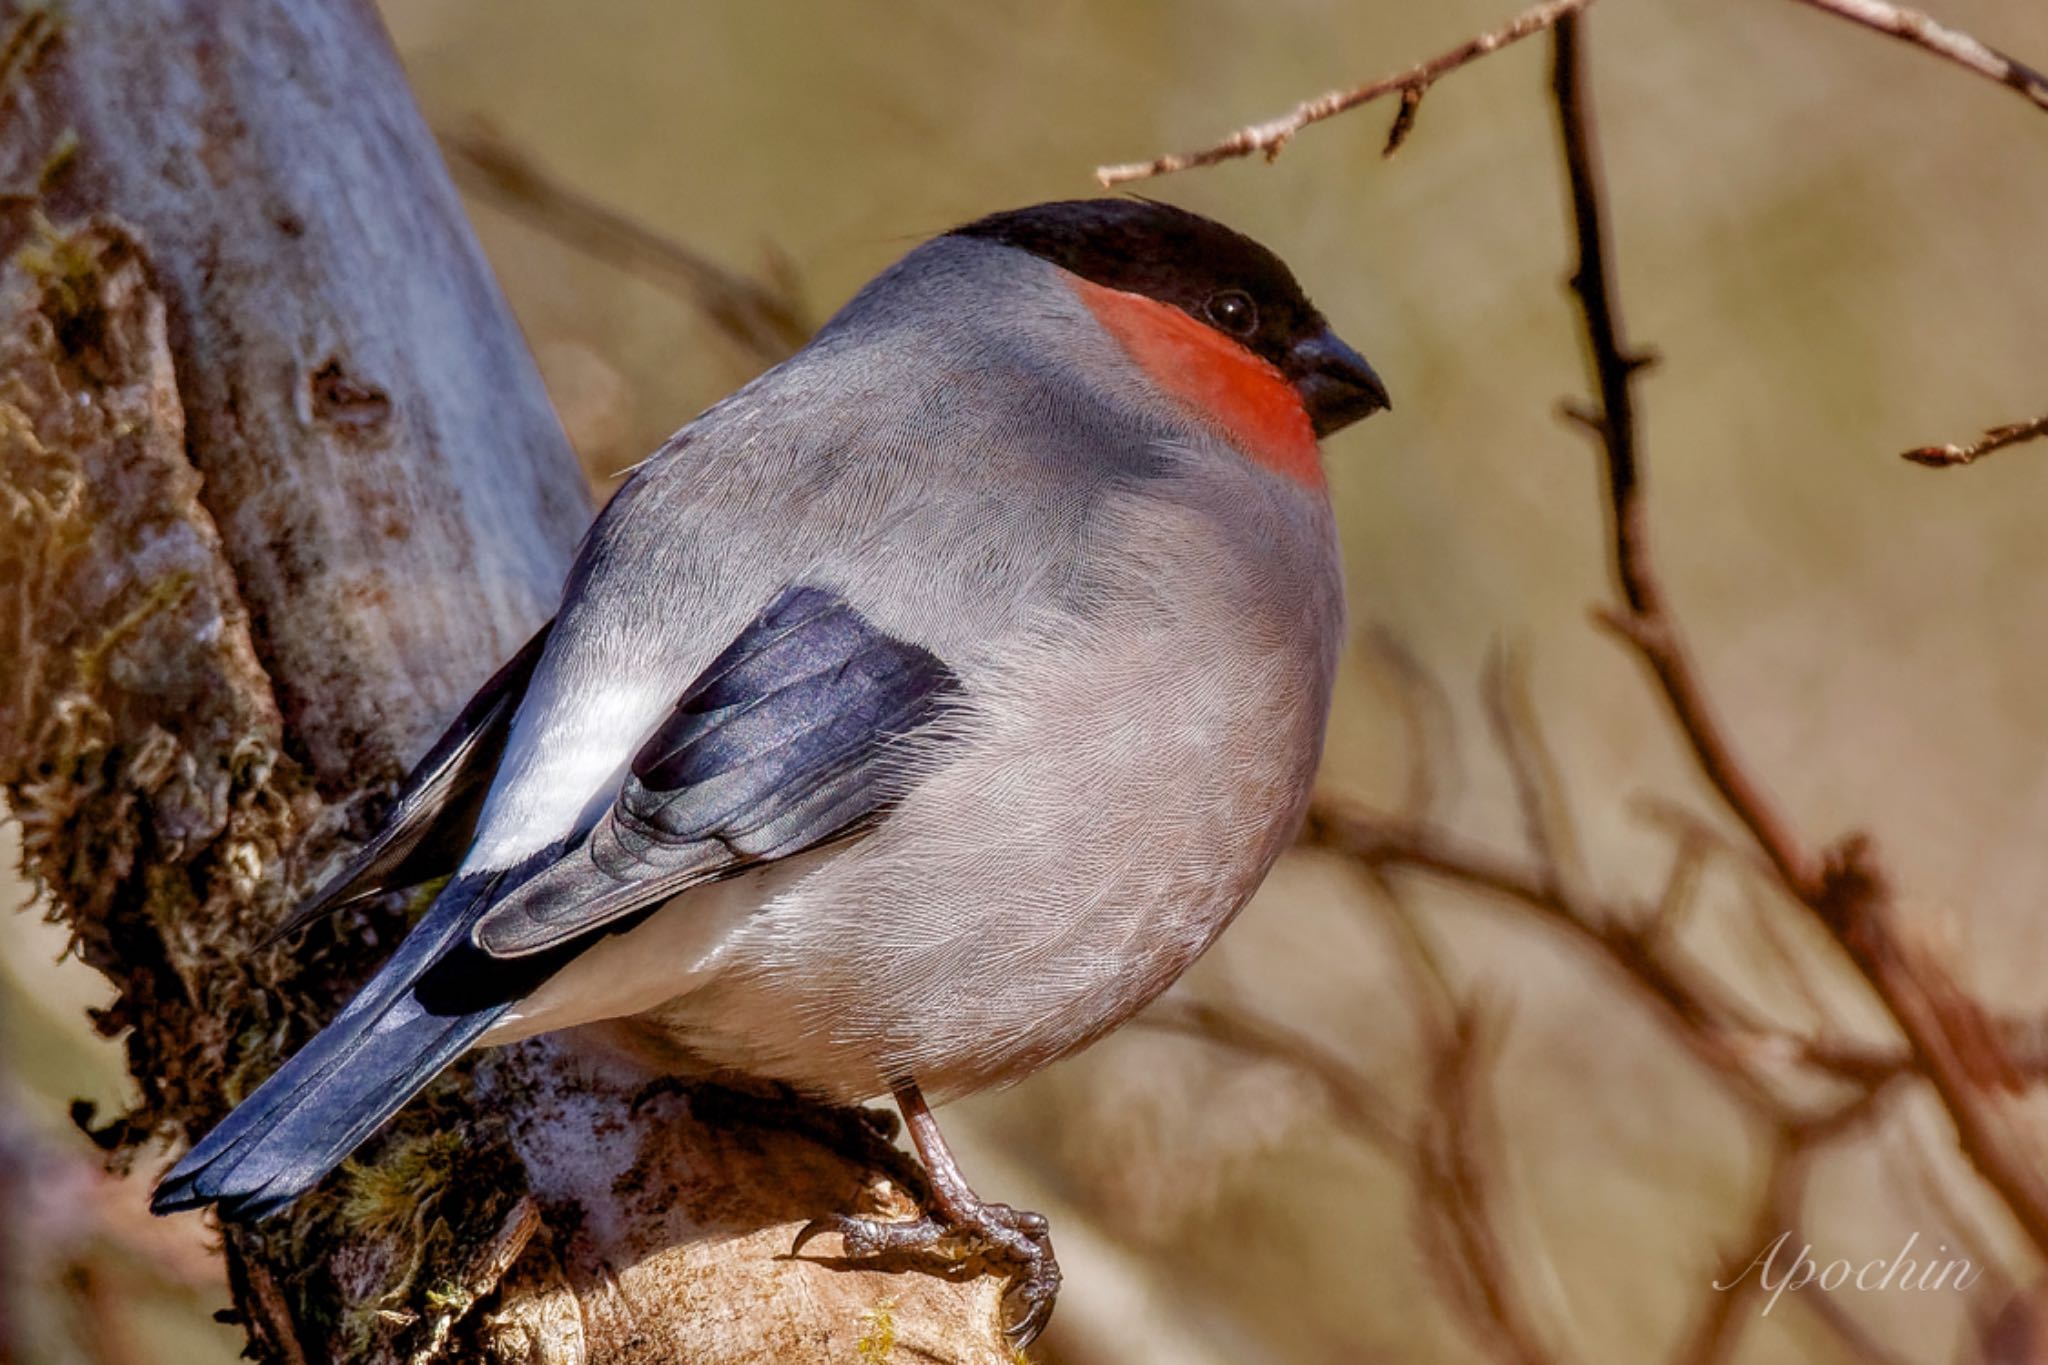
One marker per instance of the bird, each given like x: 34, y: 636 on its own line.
x: 914, y: 716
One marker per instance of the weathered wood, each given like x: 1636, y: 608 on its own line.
x: 326, y: 302
x: 281, y: 485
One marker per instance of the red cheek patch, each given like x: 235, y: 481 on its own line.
x: 1251, y: 400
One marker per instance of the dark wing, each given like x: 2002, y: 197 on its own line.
x: 430, y: 823
x: 784, y: 743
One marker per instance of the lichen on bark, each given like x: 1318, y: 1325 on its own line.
x: 142, y: 753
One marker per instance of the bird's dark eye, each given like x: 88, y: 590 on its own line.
x: 1233, y: 311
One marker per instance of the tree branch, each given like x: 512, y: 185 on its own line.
x: 767, y: 323
x: 1845, y: 887
x: 1457, y: 1173
x: 1359, y: 1104
x: 1916, y: 28
x: 1271, y: 137
x: 1966, y: 1055
x: 1996, y: 438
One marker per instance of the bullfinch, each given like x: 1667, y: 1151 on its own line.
x: 911, y: 718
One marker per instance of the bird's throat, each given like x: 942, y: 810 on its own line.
x: 1226, y: 384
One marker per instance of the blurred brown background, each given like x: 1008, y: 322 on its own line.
x: 1840, y: 248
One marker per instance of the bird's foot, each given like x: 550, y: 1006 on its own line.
x: 1017, y: 1239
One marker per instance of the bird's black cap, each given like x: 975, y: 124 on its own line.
x: 1215, y: 275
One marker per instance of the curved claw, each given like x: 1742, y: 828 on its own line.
x: 828, y: 1222
x: 1015, y: 1236
x: 1036, y: 1288
x: 1037, y: 1313
x: 863, y: 1237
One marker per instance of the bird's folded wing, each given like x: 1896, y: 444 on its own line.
x: 436, y: 810
x: 792, y: 737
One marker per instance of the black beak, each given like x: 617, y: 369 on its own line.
x: 1336, y: 385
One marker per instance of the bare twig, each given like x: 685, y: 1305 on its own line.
x: 1681, y: 888
x: 767, y: 322
x: 1355, y: 1099
x: 1717, y: 1328
x: 1844, y: 887
x: 1455, y: 1161
x: 1451, y: 1153
x: 1996, y: 438
x: 1385, y: 844
x: 1426, y: 715
x: 1701, y: 1019
x: 1404, y: 119
x: 1648, y: 624
x: 1966, y: 1054
x: 1858, y: 1342
x: 1539, y: 788
x: 1270, y: 137
x: 1913, y: 27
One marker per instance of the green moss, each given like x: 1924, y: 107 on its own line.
x: 67, y: 267
x: 255, y: 1058
x: 382, y: 1197
x: 117, y: 794
x: 409, y: 1218
x: 449, y: 1297
x: 878, y: 1342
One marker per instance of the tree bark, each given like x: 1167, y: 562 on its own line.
x: 281, y: 487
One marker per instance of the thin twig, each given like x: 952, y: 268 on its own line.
x: 1845, y: 887
x: 1270, y: 137
x: 1681, y: 888
x: 1455, y: 1161
x: 1703, y: 1020
x: 1630, y: 939
x: 1426, y: 718
x: 1452, y: 1155
x: 1355, y: 1099
x: 1648, y: 624
x: 1913, y: 27
x: 1717, y: 1328
x: 1995, y: 438
x: 1779, y: 1215
x: 1859, y: 1343
x: 768, y: 323
x: 1539, y: 787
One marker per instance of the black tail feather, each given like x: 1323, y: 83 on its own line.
x: 391, y: 1040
